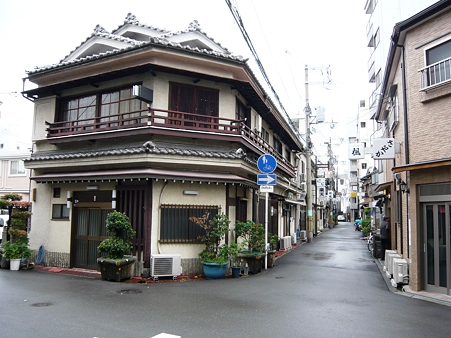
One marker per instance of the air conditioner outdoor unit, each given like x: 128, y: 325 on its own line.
x: 303, y: 235
x: 303, y: 186
x: 388, y: 252
x: 390, y: 262
x: 400, y: 274
x: 285, y: 243
x: 294, y: 239
x: 165, y: 265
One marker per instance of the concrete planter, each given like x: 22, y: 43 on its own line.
x: 254, y: 262
x: 116, y: 270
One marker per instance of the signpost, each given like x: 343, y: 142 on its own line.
x: 266, y: 164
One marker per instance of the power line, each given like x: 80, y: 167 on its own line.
x: 239, y: 21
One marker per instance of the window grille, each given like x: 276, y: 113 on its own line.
x: 175, y: 226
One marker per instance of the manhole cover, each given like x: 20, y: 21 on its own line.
x: 41, y: 304
x: 129, y: 292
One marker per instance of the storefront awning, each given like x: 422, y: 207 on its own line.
x: 423, y: 165
x: 383, y: 186
x: 142, y: 174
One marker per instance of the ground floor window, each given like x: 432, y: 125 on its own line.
x: 60, y: 211
x: 176, y: 226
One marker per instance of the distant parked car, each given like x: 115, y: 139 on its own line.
x: 341, y: 218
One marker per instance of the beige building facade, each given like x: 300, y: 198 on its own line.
x: 414, y: 112
x: 162, y: 126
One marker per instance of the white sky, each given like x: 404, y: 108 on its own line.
x: 286, y: 34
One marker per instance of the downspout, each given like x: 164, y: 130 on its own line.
x: 159, y: 220
x: 406, y: 147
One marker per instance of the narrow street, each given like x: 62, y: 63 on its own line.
x: 329, y: 288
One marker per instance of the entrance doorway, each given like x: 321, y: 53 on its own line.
x: 437, y: 247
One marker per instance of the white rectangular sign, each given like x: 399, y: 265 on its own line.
x: 356, y: 151
x: 384, y: 148
x: 266, y: 188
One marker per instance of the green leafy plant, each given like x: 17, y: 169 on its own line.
x: 273, y: 240
x: 16, y: 250
x: 365, y: 226
x: 235, y: 251
x: 120, y: 243
x: 253, y: 235
x: 215, y: 231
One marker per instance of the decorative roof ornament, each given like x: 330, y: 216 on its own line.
x: 194, y: 26
x: 100, y: 29
x: 131, y: 18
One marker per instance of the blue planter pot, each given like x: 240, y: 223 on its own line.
x: 215, y: 270
x: 236, y: 270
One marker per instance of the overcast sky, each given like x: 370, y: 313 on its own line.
x: 286, y: 34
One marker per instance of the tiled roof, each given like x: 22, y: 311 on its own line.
x: 194, y: 26
x: 148, y: 147
x: 162, y: 40
x: 130, y: 19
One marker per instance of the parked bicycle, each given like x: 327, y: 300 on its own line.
x: 370, y: 243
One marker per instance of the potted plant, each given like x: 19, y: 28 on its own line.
x: 273, y: 242
x: 214, y: 256
x: 234, y: 252
x: 253, y: 235
x: 14, y: 252
x: 16, y: 249
x: 116, y: 264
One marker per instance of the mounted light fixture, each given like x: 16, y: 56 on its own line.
x: 404, y: 188
x: 113, y: 199
x: 69, y: 199
x: 190, y: 192
x: 92, y: 187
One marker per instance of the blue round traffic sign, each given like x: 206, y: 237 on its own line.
x: 266, y: 163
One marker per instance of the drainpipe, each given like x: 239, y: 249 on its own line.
x: 159, y: 220
x: 406, y: 145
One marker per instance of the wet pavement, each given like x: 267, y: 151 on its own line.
x: 330, y: 287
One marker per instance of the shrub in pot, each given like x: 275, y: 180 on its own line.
x: 116, y: 264
x: 16, y: 248
x: 253, y: 235
x: 273, y: 240
x: 215, y: 255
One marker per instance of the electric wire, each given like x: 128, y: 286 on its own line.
x: 236, y: 15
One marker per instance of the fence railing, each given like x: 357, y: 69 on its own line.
x: 435, y: 75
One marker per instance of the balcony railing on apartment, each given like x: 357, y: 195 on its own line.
x: 435, y: 75
x: 166, y: 120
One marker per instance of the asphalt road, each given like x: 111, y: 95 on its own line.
x: 328, y: 288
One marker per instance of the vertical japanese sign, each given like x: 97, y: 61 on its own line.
x: 384, y: 148
x: 356, y: 151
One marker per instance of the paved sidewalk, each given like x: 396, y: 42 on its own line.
x: 139, y: 279
x: 405, y: 290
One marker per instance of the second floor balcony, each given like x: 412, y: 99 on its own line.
x: 169, y: 123
x: 435, y: 75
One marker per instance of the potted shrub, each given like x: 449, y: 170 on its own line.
x: 116, y: 264
x: 253, y: 235
x: 16, y: 249
x: 14, y: 252
x: 273, y: 242
x: 215, y: 256
x: 235, y: 252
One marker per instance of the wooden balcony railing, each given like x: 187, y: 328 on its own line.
x: 169, y: 119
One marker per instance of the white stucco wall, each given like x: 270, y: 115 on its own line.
x: 172, y: 193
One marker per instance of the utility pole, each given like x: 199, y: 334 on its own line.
x: 308, y: 112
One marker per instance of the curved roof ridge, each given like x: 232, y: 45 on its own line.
x: 131, y: 19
